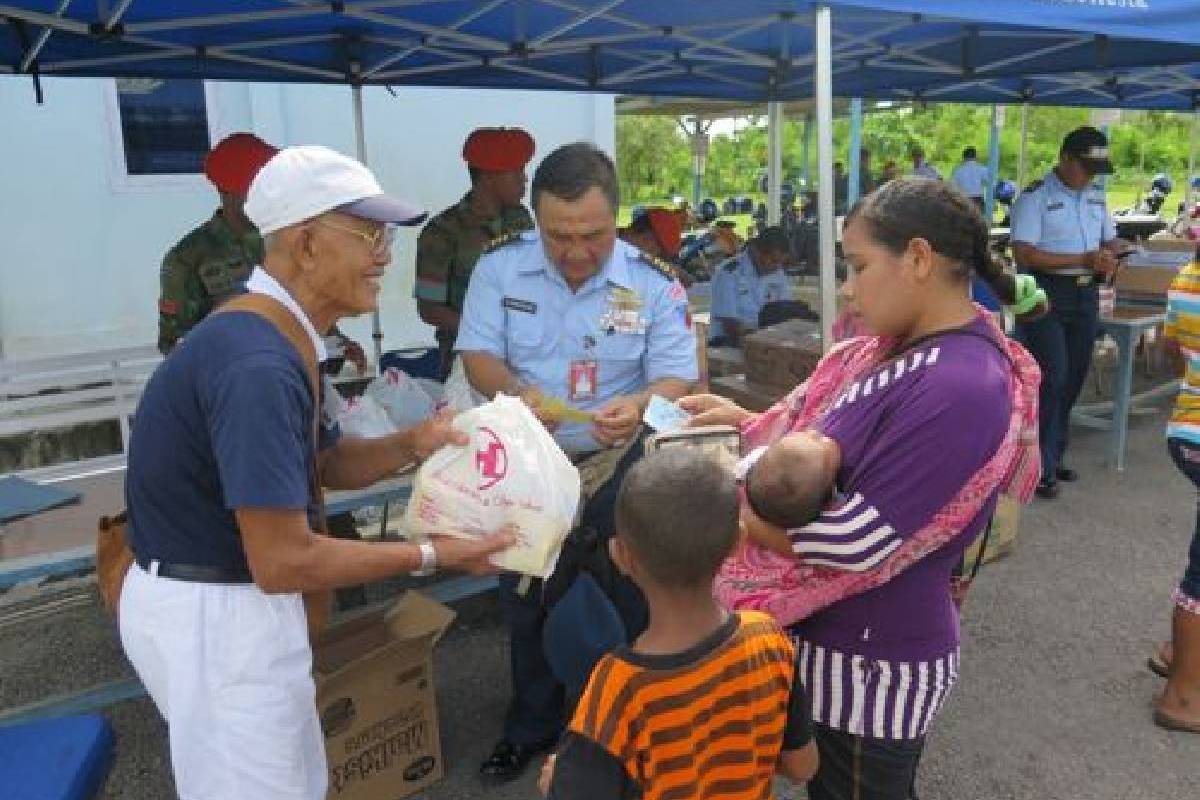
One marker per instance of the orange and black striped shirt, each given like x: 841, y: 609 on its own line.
x: 708, y: 723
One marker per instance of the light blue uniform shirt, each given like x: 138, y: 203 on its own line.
x: 971, y: 177
x: 1057, y: 219
x: 739, y: 292
x: 629, y: 318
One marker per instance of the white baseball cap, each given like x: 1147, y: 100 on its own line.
x: 300, y: 183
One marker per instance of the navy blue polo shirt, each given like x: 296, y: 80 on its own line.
x: 225, y: 422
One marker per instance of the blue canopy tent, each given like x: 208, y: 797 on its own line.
x: 1135, y: 53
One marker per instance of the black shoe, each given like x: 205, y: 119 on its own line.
x: 509, y: 760
x: 1047, y: 490
x: 1066, y: 474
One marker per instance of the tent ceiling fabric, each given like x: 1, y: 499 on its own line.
x: 1131, y: 53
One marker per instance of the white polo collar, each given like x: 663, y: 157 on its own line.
x: 261, y: 282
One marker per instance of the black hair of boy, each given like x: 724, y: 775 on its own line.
x: 790, y: 494
x: 677, y: 511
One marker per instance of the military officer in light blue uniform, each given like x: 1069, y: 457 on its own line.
x: 746, y: 283
x: 1063, y: 234
x: 570, y: 312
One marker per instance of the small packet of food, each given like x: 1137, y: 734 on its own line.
x: 560, y: 411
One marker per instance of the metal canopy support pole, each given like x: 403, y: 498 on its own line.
x: 1191, y: 173
x: 1024, y: 147
x: 855, y: 159
x: 360, y: 151
x: 989, y: 194
x: 774, y: 160
x: 823, y: 83
x: 699, y: 155
x: 806, y: 140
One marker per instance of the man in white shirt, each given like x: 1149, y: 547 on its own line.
x: 971, y: 177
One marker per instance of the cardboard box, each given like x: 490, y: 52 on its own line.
x: 1164, y: 242
x: 749, y: 396
x: 782, y: 356
x: 376, y: 700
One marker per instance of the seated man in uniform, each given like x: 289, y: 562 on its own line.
x: 743, y: 285
x: 570, y: 313
x: 452, y: 241
x: 658, y: 234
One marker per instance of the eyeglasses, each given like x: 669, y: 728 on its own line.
x: 380, y: 239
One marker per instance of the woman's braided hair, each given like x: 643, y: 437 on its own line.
x: 910, y: 208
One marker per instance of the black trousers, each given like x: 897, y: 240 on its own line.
x: 1062, y: 343
x: 859, y: 768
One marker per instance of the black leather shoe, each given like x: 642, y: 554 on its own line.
x: 509, y: 760
x: 1066, y: 474
x: 1047, y: 490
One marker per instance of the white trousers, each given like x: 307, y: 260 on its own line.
x: 230, y: 669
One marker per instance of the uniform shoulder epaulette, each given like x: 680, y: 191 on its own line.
x: 730, y: 265
x: 1033, y: 187
x: 657, y: 264
x: 502, y: 240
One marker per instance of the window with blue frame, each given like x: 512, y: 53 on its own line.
x: 164, y: 125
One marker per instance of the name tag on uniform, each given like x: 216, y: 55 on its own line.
x: 1055, y: 206
x: 582, y: 380
x: 524, y: 306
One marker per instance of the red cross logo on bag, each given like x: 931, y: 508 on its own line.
x: 491, y: 460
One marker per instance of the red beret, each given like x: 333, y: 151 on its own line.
x: 668, y: 232
x: 234, y: 162
x: 498, y: 149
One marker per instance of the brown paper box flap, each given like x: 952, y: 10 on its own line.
x: 414, y: 619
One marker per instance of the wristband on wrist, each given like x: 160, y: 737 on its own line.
x: 429, y: 559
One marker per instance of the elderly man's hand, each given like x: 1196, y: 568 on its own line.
x: 710, y: 409
x: 473, y: 556
x: 435, y: 433
x: 617, y: 421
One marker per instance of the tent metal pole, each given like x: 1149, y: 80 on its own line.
x: 1192, y: 150
x: 823, y: 84
x: 806, y: 140
x: 853, y: 182
x: 360, y: 151
x: 1024, y: 146
x: 697, y: 165
x: 989, y: 193
x: 774, y: 160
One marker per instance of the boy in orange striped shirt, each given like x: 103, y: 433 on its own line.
x: 705, y: 704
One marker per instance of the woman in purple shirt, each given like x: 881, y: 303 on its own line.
x: 935, y: 414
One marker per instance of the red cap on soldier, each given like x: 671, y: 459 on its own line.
x: 498, y: 149
x: 233, y: 163
x: 668, y: 231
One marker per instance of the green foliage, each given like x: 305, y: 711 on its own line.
x: 654, y: 157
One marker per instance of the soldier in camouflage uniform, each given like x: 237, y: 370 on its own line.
x: 213, y: 262
x: 489, y: 214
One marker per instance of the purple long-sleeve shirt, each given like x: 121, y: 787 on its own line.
x: 912, y: 433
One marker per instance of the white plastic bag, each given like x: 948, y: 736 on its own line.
x: 365, y: 418
x: 404, y: 400
x: 459, y: 394
x: 513, y: 472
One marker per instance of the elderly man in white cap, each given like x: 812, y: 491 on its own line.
x: 223, y: 492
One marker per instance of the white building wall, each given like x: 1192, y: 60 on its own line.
x: 81, y: 242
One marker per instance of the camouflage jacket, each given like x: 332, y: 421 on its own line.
x: 206, y: 267
x: 452, y: 242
